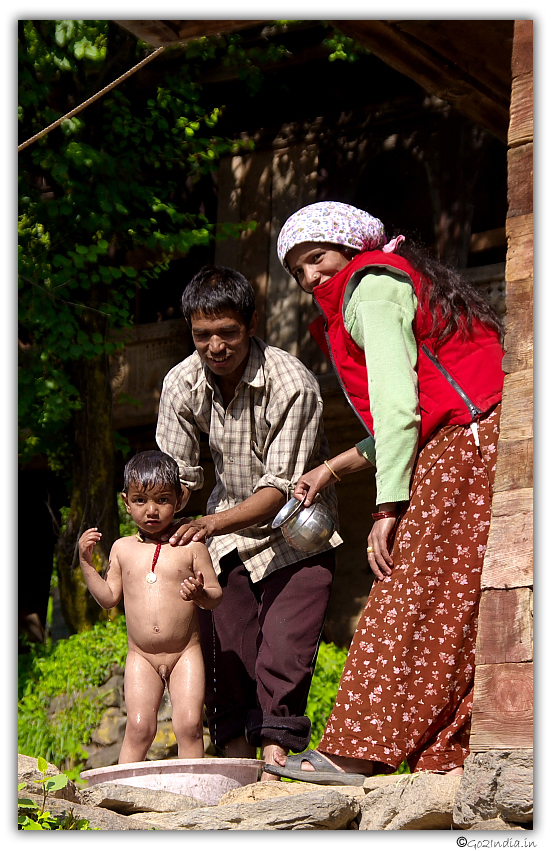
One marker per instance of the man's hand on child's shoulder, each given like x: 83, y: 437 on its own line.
x: 194, y: 530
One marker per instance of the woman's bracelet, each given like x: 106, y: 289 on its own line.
x: 331, y: 470
x: 380, y: 515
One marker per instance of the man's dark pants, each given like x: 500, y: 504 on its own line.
x: 260, y: 647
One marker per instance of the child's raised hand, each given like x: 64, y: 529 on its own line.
x: 87, y: 542
x: 191, y: 589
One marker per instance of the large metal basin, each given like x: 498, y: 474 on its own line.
x: 206, y: 779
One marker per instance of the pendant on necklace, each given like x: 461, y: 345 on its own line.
x: 152, y: 576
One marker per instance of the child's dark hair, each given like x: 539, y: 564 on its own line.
x: 215, y: 290
x: 152, y: 469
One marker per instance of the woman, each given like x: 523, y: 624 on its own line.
x: 418, y: 353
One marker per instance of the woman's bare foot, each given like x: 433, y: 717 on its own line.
x: 349, y: 765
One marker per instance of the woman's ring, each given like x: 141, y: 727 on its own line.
x: 370, y: 550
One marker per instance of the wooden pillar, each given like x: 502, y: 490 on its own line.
x: 503, y: 704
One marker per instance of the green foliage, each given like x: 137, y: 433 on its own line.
x: 107, y: 183
x: 33, y: 817
x: 323, y: 691
x: 70, y: 667
x: 249, y: 61
x: 343, y: 47
x: 126, y: 524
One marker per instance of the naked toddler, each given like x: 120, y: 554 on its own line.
x: 161, y: 587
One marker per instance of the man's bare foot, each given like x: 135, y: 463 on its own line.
x: 349, y: 765
x: 272, y: 753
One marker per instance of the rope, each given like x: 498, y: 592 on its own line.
x: 92, y: 99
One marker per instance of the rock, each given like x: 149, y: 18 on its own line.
x: 164, y: 744
x: 127, y: 800
x: 98, y: 817
x: 210, y: 748
x: 514, y: 796
x: 416, y: 802
x: 496, y: 784
x: 275, y: 789
x: 258, y: 792
x: 265, y: 789
x: 111, y: 693
x: 111, y: 727
x: 495, y: 793
x: 324, y: 809
x: 27, y: 772
x: 494, y: 824
x: 101, y: 757
x: 165, y: 709
x: 379, y: 781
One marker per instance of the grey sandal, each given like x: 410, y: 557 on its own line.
x: 324, y: 772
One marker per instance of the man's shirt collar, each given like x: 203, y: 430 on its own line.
x: 254, y: 371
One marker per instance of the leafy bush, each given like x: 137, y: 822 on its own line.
x: 323, y: 690
x: 126, y: 524
x: 33, y: 817
x: 70, y: 667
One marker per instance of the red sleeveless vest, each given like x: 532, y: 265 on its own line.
x: 457, y: 384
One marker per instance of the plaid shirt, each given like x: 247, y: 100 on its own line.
x: 269, y: 435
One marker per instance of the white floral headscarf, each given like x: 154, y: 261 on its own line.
x: 336, y: 223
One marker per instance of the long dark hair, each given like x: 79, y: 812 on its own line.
x: 454, y: 303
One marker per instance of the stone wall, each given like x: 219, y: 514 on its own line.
x: 397, y: 802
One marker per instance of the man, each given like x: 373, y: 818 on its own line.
x: 262, y: 410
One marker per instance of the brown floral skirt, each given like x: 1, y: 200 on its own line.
x: 407, y: 686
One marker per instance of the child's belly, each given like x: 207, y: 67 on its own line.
x: 161, y: 624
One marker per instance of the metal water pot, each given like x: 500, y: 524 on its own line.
x: 305, y: 529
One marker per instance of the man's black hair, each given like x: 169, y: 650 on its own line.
x: 152, y: 469
x: 216, y: 289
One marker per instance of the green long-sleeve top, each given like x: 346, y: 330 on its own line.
x: 379, y: 309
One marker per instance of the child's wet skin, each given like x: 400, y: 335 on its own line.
x: 161, y: 620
